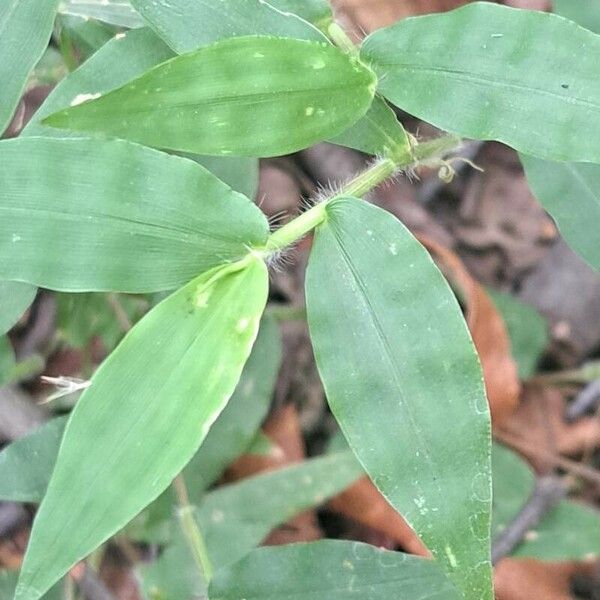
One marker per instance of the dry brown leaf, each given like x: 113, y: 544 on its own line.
x: 539, y: 421
x: 527, y: 579
x: 488, y: 332
x: 363, y: 503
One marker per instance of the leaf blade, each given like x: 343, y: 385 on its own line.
x: 570, y: 192
x: 15, y: 298
x: 105, y: 474
x: 470, y: 72
x: 241, y: 112
x: 25, y: 28
x: 208, y: 22
x: 412, y: 340
x: 336, y: 570
x: 80, y: 235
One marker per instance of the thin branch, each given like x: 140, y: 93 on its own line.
x: 547, y: 493
x: 586, y: 401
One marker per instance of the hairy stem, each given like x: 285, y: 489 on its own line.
x: 381, y: 170
x: 191, y: 530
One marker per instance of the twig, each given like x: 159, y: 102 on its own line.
x: 587, y: 473
x: 587, y: 399
x: 191, y: 530
x: 547, y: 493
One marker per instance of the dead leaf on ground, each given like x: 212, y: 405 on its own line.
x: 363, y: 503
x: 488, y: 332
x: 539, y: 421
x: 527, y: 579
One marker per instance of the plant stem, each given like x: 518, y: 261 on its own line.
x: 340, y: 38
x: 191, y: 530
x: 380, y: 171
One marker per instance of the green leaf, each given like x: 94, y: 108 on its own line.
x: 237, y: 425
x: 379, y: 132
x: 26, y: 464
x: 331, y: 570
x: 8, y: 582
x: 15, y: 299
x: 116, y: 63
x: 267, y: 96
x: 570, y: 192
x: 403, y: 381
x: 89, y: 215
x: 237, y: 517
x: 189, y: 24
x: 25, y: 28
x: 570, y: 531
x: 115, y: 12
x: 85, y: 35
x: 148, y: 409
x: 527, y: 330
x: 484, y: 71
x: 587, y: 14
x: 317, y: 12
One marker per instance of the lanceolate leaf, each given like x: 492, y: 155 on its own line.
x: 570, y: 192
x: 148, y: 409
x: 332, y: 570
x: 25, y: 28
x: 116, y: 63
x: 189, y: 24
x: 237, y: 425
x: 115, y: 12
x: 15, y: 298
x: 250, y: 96
x: 403, y: 380
x: 236, y: 518
x: 379, y: 132
x: 490, y: 72
x: 27, y: 463
x: 89, y: 215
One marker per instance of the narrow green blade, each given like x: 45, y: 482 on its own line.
x: 249, y: 96
x: 570, y: 192
x: 331, y: 570
x: 116, y: 63
x: 115, y: 12
x: 25, y: 28
x: 149, y: 407
x: 89, y: 215
x: 236, y: 518
x: 189, y: 24
x: 15, y: 298
x: 237, y: 425
x: 403, y: 381
x: 526, y: 78
x: 26, y: 464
